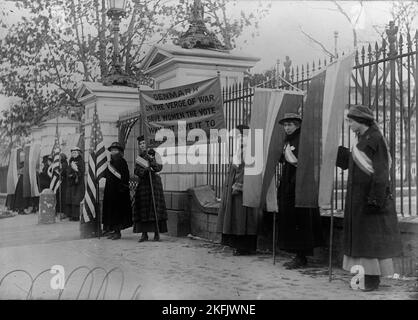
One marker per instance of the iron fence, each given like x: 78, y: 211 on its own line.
x: 384, y: 78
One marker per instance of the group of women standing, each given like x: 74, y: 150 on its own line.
x: 371, y: 234
x: 68, y: 195
x: 148, y: 212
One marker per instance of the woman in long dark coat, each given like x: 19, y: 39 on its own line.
x: 299, y: 229
x: 144, y: 216
x: 117, y: 210
x: 237, y: 223
x: 76, y: 185
x: 44, y: 178
x: 61, y: 195
x: 371, y: 232
x: 20, y: 203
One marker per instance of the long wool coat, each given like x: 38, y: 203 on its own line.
x: 143, y: 207
x: 369, y: 232
x: 44, y: 179
x: 233, y: 217
x: 75, y: 182
x: 299, y: 229
x: 117, y: 209
x: 61, y: 194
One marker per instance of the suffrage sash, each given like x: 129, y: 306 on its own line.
x: 289, y: 156
x: 362, y: 161
x: 115, y: 172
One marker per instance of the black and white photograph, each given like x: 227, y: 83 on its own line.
x: 208, y: 150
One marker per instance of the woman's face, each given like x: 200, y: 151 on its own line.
x: 289, y: 127
x: 114, y: 151
x: 74, y: 154
x: 354, y: 125
x: 142, y: 146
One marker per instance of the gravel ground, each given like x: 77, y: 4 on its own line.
x: 174, y: 268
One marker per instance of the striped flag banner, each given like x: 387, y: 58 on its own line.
x: 271, y: 105
x: 323, y: 114
x: 97, y: 163
x: 56, y: 164
x: 34, y: 154
x: 12, y: 175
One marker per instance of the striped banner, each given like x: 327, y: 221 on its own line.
x: 271, y: 105
x: 97, y: 163
x: 323, y: 114
x: 34, y: 154
x: 12, y: 175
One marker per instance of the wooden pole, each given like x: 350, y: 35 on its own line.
x: 153, y: 203
x: 274, y: 237
x: 331, y: 233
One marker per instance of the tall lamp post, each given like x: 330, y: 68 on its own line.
x: 117, y: 76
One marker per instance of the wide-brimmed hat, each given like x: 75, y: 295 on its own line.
x: 290, y: 117
x: 75, y: 149
x: 360, y: 111
x: 116, y: 145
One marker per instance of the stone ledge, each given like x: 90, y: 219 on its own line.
x: 205, y: 199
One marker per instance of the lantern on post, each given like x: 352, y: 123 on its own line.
x: 117, y: 76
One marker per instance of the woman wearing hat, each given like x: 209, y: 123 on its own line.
x: 117, y: 210
x: 144, y: 216
x: 299, y: 229
x: 44, y: 178
x: 371, y: 232
x: 238, y: 224
x: 20, y: 203
x: 75, y: 184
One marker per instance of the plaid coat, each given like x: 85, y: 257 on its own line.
x: 143, y: 207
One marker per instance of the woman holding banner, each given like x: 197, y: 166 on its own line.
x: 371, y: 232
x: 149, y: 195
x: 299, y: 229
x: 20, y: 202
x: 238, y: 224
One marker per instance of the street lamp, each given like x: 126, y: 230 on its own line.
x: 117, y: 76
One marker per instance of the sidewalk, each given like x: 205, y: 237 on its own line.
x: 175, y: 268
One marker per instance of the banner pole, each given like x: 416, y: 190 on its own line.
x: 331, y: 233
x: 274, y: 237
x: 153, y: 203
x: 99, y: 220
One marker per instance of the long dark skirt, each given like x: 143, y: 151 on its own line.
x: 299, y: 230
x: 73, y: 211
x: 20, y: 202
x: 149, y: 226
x: 10, y: 198
x: 241, y: 242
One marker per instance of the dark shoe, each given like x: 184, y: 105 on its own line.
x: 296, y: 263
x: 143, y: 238
x: 156, y: 237
x: 116, y: 236
x: 106, y: 233
x: 371, y: 283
